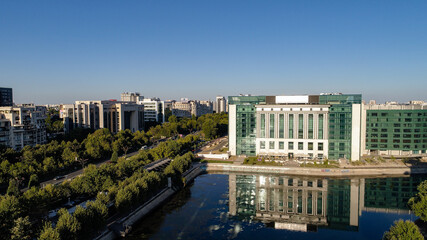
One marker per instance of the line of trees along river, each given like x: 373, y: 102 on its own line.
x: 122, y: 184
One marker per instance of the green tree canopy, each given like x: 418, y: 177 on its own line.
x: 67, y: 225
x: 98, y: 144
x: 21, y: 229
x: 403, y: 230
x: 49, y: 233
x: 418, y: 203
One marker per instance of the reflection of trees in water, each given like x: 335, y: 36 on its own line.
x: 151, y: 224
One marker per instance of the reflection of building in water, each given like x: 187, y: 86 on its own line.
x: 390, y: 194
x: 291, y: 202
x: 344, y: 203
x: 304, y: 204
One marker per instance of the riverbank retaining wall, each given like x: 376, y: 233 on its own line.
x: 331, y: 172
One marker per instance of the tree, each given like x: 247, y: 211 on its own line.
x: 58, y: 126
x: 124, y: 141
x: 168, y: 113
x: 10, y: 209
x: 13, y: 188
x: 98, y: 144
x: 403, y: 230
x: 49, y: 233
x: 21, y: 229
x: 114, y: 157
x: 209, y: 129
x: 67, y: 225
x: 140, y: 138
x: 34, y: 181
x: 172, y: 119
x: 418, y: 203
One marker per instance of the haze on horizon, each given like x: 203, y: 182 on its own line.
x: 61, y: 51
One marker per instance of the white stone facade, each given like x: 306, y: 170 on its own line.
x: 285, y: 137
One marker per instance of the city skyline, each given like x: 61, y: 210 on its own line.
x: 59, y: 52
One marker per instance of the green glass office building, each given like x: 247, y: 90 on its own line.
x: 341, y: 123
x: 396, y: 131
x: 242, y: 125
x: 333, y: 126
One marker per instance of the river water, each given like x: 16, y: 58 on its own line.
x: 234, y: 206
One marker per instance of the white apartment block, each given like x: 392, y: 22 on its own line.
x: 131, y: 97
x: 114, y: 115
x: 220, y: 104
x: 154, y: 110
x: 186, y: 108
x: 22, y: 125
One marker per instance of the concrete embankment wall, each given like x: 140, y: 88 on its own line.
x: 150, y: 205
x: 331, y: 172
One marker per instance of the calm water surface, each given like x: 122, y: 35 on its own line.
x: 220, y: 206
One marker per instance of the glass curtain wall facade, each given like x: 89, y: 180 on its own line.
x: 245, y: 122
x: 340, y: 123
x: 404, y: 130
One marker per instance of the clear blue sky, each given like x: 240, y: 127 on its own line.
x: 62, y: 51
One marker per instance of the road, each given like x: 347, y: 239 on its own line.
x: 76, y: 173
x: 222, y: 142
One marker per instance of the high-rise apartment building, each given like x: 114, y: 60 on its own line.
x: 114, y: 115
x: 334, y: 126
x: 6, y: 97
x: 187, y: 108
x: 220, y: 104
x: 154, y: 110
x: 131, y: 97
x: 22, y: 125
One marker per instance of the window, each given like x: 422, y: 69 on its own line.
x: 291, y: 146
x: 281, y: 145
x: 262, y: 144
x: 271, y: 145
x: 262, y: 125
x: 310, y: 126
x: 320, y: 146
x: 300, y: 126
x: 291, y: 126
x: 271, y: 125
x: 281, y: 125
x: 300, y: 146
x: 320, y: 133
x: 310, y: 146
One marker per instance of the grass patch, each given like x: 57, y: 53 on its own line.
x: 223, y: 150
x: 215, y: 161
x: 357, y: 163
x: 260, y: 161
